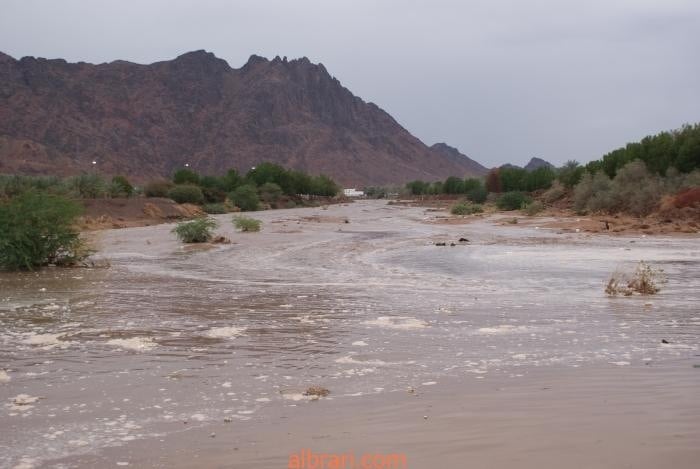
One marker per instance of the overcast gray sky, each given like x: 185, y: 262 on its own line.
x: 502, y: 80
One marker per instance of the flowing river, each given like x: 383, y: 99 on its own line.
x: 502, y: 350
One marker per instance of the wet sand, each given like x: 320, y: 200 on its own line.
x: 516, y: 356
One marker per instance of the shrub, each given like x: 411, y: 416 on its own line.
x: 466, y: 208
x: 533, y: 208
x: 453, y: 185
x: 213, y: 195
x: 477, y: 194
x: 270, y: 192
x: 195, y: 231
x: 247, y: 224
x: 36, y: 229
x: 645, y: 280
x: 290, y: 204
x: 245, y: 197
x: 157, y: 188
x: 634, y: 190
x: 120, y: 187
x: 87, y: 186
x: 512, y: 201
x: 214, y: 209
x: 554, y: 193
x: 185, y: 176
x: 570, y: 174
x: 186, y: 194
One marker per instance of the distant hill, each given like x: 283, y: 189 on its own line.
x: 147, y: 120
x: 533, y: 164
x: 536, y: 163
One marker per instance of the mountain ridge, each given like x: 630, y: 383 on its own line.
x: 146, y: 120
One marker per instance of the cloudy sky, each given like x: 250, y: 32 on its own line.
x: 502, y: 80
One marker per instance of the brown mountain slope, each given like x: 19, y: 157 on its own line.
x: 147, y: 120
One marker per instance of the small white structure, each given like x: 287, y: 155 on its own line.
x: 353, y: 193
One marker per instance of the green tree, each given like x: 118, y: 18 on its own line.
x: 245, y: 197
x: 270, y: 192
x: 185, y: 176
x: 121, y: 187
x: 36, y: 229
x: 453, y: 185
x: 570, y: 174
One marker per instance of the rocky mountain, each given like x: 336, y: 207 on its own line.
x: 453, y: 154
x: 147, y: 120
x: 536, y: 163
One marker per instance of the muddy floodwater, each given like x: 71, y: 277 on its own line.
x: 503, y: 351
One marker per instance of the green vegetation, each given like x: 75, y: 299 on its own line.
x: 247, y: 224
x: 158, y: 188
x: 36, y: 229
x: 466, y: 208
x: 270, y: 192
x: 533, y: 208
x: 214, y: 209
x: 245, y: 197
x: 120, y: 187
x: 186, y: 194
x: 195, y: 231
x: 679, y: 149
x: 185, y: 176
x: 513, y: 200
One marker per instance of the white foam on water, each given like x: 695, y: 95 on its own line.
x: 138, y: 344
x: 46, y: 341
x: 360, y: 343
x: 502, y: 329
x: 349, y: 360
x: 4, y: 377
x: 397, y: 322
x: 224, y: 332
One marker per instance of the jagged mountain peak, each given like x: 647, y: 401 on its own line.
x: 144, y: 121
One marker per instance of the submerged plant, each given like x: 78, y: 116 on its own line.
x: 195, y: 231
x: 645, y: 280
x: 247, y: 224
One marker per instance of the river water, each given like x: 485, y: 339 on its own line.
x: 172, y: 336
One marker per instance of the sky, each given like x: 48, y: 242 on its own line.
x: 501, y: 80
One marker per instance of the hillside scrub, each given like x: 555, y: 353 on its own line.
x: 36, y: 229
x: 200, y: 230
x: 246, y: 224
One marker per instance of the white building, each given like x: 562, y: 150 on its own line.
x: 353, y: 193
